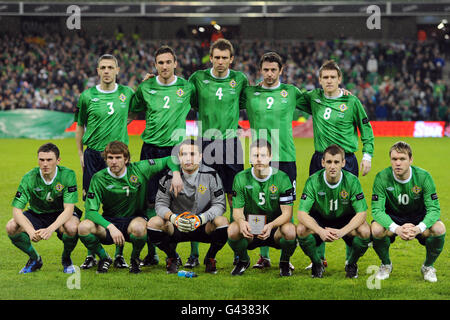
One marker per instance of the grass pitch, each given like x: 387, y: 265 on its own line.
x: 406, y: 282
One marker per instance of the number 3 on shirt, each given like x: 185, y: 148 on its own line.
x: 111, y: 108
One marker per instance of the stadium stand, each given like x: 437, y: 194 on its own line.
x: 394, y: 80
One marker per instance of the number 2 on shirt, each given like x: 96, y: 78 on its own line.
x: 166, y: 104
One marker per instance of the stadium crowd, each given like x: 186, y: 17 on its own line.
x: 394, y: 81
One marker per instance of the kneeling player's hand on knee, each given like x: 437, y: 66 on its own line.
x: 44, y: 234
x: 116, y: 235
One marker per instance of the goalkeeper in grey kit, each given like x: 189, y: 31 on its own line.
x: 196, y: 214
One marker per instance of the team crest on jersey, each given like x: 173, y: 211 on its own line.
x: 273, y: 188
x: 416, y: 189
x: 343, y: 107
x: 133, y: 178
x: 233, y: 83
x: 284, y: 93
x: 122, y: 97
x: 202, y: 189
x: 344, y: 194
x: 59, y: 187
x: 180, y: 92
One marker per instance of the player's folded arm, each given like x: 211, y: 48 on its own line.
x: 97, y: 218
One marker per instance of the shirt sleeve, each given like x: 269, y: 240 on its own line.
x: 238, y: 199
x: 151, y: 167
x: 194, y: 97
x: 137, y: 102
x: 243, y: 98
x: 365, y: 128
x: 287, y: 192
x: 379, y: 203
x: 163, y: 197
x: 70, y: 191
x: 303, y: 100
x: 307, y: 199
x: 94, y: 200
x: 358, y: 199
x: 81, y: 110
x: 433, y: 210
x: 217, y: 195
x: 22, y: 196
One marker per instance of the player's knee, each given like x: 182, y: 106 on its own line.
x: 233, y: 231
x: 220, y: 221
x: 71, y: 228
x: 364, y: 231
x: 377, y: 230
x: 11, y: 227
x: 301, y: 230
x: 289, y: 231
x: 155, y: 223
x: 138, y: 229
x: 438, y: 229
x: 85, y: 227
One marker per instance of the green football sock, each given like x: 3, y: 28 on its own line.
x: 434, y: 246
x: 287, y: 249
x: 348, y: 252
x: 69, y: 244
x: 309, y: 247
x: 119, y: 251
x: 359, y: 247
x: 240, y: 248
x: 381, y: 247
x: 264, y: 251
x: 321, y: 250
x: 194, y: 249
x: 22, y: 241
x: 138, y: 245
x: 92, y: 243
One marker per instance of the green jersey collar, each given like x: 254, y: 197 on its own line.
x: 262, y: 180
x: 117, y: 177
x: 337, y: 97
x: 403, y: 181
x: 103, y: 91
x: 220, y: 78
x: 332, y: 186
x: 272, y: 88
x: 166, y: 85
x: 53, y: 179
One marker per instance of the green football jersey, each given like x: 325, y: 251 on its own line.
x: 270, y: 113
x: 335, y: 121
x: 123, y: 196
x: 104, y: 115
x: 217, y: 102
x: 166, y: 108
x: 333, y: 201
x: 262, y: 196
x: 44, y: 197
x: 410, y: 198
